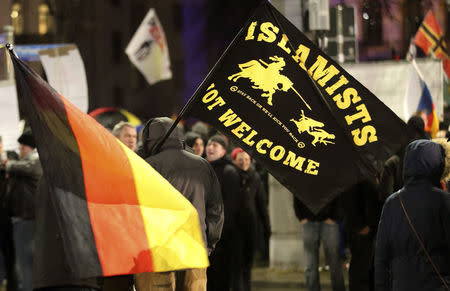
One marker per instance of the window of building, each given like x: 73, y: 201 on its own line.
x: 372, y: 22
x: 17, y: 18
x: 46, y: 20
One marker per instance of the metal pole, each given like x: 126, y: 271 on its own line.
x: 8, y: 30
x: 340, y: 34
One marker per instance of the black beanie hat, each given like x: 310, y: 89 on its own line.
x: 219, y: 139
x: 27, y: 139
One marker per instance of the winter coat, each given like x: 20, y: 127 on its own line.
x: 400, y: 262
x: 252, y: 201
x: 230, y: 186
x: 3, y: 185
x: 361, y: 208
x: 391, y: 179
x: 23, y: 175
x: 188, y: 173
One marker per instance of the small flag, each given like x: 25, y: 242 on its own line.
x: 290, y: 106
x: 118, y: 214
x: 431, y: 40
x: 148, y: 50
x: 418, y: 99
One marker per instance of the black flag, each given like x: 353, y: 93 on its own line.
x: 313, y: 126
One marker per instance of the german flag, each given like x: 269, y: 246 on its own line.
x: 120, y: 215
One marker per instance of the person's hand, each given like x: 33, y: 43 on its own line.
x: 365, y: 230
x: 303, y: 221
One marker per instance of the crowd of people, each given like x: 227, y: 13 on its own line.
x: 223, y: 186
x: 396, y: 242
x: 385, y: 253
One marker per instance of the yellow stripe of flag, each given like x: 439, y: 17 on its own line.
x: 171, y: 222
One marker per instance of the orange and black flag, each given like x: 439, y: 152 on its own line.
x: 118, y: 214
x: 431, y: 40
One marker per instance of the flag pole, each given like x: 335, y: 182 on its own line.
x: 10, y: 48
x: 191, y: 100
x: 301, y: 98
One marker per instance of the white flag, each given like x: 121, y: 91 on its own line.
x: 414, y: 92
x: 65, y: 72
x: 148, y: 50
x: 9, y: 115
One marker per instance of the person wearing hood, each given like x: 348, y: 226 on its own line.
x: 223, y: 269
x: 413, y: 239
x: 195, y: 179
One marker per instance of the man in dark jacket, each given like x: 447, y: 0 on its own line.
x: 196, y: 180
x: 6, y: 237
x: 400, y: 261
x: 253, y: 209
x: 362, y: 211
x: 23, y: 176
x: 223, y: 259
x: 316, y: 228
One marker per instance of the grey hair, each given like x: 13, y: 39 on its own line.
x: 118, y: 127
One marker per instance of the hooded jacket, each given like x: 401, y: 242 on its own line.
x: 190, y: 174
x: 400, y: 262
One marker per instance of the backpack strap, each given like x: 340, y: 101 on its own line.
x: 421, y: 243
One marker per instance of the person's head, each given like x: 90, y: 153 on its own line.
x: 241, y: 159
x: 426, y: 159
x: 154, y: 131
x: 201, y: 128
x: 195, y: 141
x: 416, y: 126
x: 126, y: 133
x: 443, y: 129
x: 216, y: 148
x: 26, y: 144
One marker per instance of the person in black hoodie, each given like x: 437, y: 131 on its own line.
x: 195, y: 179
x: 252, y: 210
x: 223, y: 259
x: 316, y: 228
x: 401, y: 261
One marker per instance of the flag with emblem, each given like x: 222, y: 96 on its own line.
x: 291, y: 107
x: 148, y: 50
x: 431, y: 40
x: 118, y: 214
